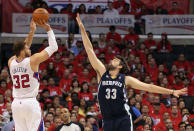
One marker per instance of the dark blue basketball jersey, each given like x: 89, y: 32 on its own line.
x: 112, y: 96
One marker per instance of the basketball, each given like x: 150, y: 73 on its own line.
x: 40, y: 14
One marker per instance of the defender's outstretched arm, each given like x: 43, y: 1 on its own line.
x: 136, y: 84
x: 95, y: 62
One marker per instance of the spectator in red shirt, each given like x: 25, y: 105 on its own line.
x: 57, y: 122
x: 126, y: 11
x: 65, y: 82
x: 164, y: 46
x: 113, y: 35
x: 71, y: 17
x: 85, y: 92
x: 82, y: 9
x: 3, y: 86
x: 131, y: 38
x: 175, y: 10
x: 75, y: 86
x: 28, y: 8
x: 168, y: 124
x: 175, y: 116
x: 102, y: 42
x: 93, y: 85
x: 54, y: 90
x: 182, y: 64
x: 2, y: 103
x: 152, y: 69
x: 149, y: 42
x: 156, y: 115
x: 84, y: 76
x: 119, y: 4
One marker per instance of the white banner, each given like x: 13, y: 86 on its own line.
x: 21, y: 23
x: 171, y: 24
x: 100, y: 23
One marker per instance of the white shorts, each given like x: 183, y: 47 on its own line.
x: 27, y: 114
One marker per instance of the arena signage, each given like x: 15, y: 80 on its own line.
x: 20, y: 23
x: 171, y: 24
x: 100, y: 23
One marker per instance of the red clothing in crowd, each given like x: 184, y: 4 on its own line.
x: 150, y: 43
x: 65, y: 84
x: 162, y: 47
x: 117, y: 4
x: 55, y: 90
x: 182, y: 66
x: 176, y: 12
x: 86, y: 96
x: 152, y: 71
x: 132, y: 39
x: 116, y: 36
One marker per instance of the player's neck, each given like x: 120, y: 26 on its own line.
x: 20, y: 58
x: 114, y: 72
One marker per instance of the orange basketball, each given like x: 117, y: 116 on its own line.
x: 40, y: 14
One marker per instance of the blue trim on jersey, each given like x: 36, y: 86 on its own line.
x: 136, y: 111
x: 36, y: 76
x: 41, y: 126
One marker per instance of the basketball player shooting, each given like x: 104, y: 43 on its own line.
x: 24, y: 73
x: 112, y: 91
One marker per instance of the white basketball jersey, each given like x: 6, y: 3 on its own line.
x: 25, y: 81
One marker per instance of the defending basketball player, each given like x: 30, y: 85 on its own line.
x: 24, y: 73
x: 112, y: 91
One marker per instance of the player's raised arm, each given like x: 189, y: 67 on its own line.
x: 95, y: 62
x: 29, y: 38
x: 42, y: 56
x: 136, y: 84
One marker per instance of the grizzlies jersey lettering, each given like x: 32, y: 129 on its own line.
x: 25, y: 81
x: 112, y: 96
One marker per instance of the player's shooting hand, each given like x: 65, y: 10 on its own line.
x: 177, y: 93
x: 79, y: 21
x: 32, y: 26
x: 43, y: 24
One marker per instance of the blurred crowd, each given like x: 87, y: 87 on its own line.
x: 68, y: 83
x: 135, y: 7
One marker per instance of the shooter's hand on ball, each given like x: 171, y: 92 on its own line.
x: 44, y: 25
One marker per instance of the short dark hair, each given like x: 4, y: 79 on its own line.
x: 123, y: 62
x: 112, y: 27
x: 150, y: 33
x: 18, y: 47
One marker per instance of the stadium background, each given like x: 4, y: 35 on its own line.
x: 68, y: 80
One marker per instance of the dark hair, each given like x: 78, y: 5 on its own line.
x: 150, y: 33
x: 123, y: 62
x: 112, y: 27
x: 181, y: 124
x: 83, y: 83
x: 18, y: 47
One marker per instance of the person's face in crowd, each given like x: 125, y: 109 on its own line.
x: 165, y: 81
x: 71, y: 36
x: 66, y: 73
x: 138, y: 97
x: 147, y: 79
x: 98, y: 9
x: 174, y: 101
x: 85, y: 72
x: 82, y: 102
x: 82, y: 121
x: 146, y: 127
x: 138, y: 105
x: 57, y: 122
x: 168, y: 124
x: 52, y: 110
x: 73, y: 117
x: 85, y: 87
x: 132, y: 101
x: 45, y: 82
x: 151, y: 97
x: 91, y: 120
x: 65, y: 114
x: 182, y: 127
x: 66, y: 61
x: 56, y: 101
x: 47, y: 124
x: 156, y: 99
x: 51, y: 82
x: 181, y: 57
x: 166, y: 116
x: 189, y: 128
x: 161, y: 67
x: 45, y: 43
x: 131, y: 30
x: 150, y: 37
x: 174, y: 110
x: 148, y: 120
x: 58, y: 111
x: 51, y: 65
x: 110, y: 6
x: 76, y: 108
x: 181, y: 104
x: 184, y: 111
x: 174, y: 6
x: 87, y: 128
x: 157, y: 108
x: 59, y: 42
x: 49, y: 117
x: 3, y: 84
x: 137, y: 60
x: 8, y: 107
x: 75, y: 84
x: 102, y: 37
x: 28, y: 6
x: 57, y: 56
x: 145, y: 109
x: 142, y: 46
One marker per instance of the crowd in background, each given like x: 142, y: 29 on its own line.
x: 136, y: 8
x: 68, y: 82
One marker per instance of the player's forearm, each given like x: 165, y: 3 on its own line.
x: 29, y: 38
x: 158, y: 89
x: 86, y: 40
